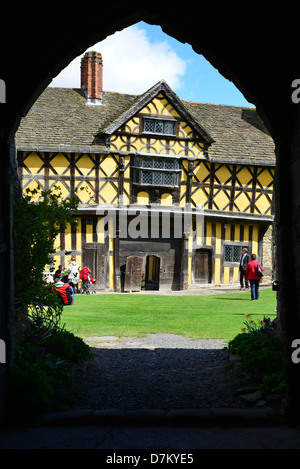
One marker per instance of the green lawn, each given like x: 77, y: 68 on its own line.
x: 200, y: 317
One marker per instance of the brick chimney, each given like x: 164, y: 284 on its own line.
x: 92, y: 76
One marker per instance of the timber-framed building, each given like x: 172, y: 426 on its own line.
x: 170, y: 191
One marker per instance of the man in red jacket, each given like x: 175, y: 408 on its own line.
x: 253, y: 277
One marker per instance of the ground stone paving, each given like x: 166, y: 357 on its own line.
x: 160, y: 371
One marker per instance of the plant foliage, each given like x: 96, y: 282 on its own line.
x: 261, y: 349
x: 39, y: 217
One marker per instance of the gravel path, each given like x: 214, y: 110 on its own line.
x: 160, y: 371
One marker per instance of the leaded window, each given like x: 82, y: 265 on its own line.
x: 163, y: 127
x: 232, y: 253
x: 156, y: 171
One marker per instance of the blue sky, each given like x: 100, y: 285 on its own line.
x: 141, y: 55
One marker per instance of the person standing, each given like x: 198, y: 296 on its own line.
x: 73, y: 272
x: 253, y: 277
x: 245, y: 259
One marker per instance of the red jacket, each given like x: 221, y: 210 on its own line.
x: 251, y: 270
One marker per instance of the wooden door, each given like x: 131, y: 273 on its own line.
x: 133, y: 273
x: 202, y: 266
x: 94, y: 257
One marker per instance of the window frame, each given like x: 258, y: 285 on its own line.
x: 232, y: 246
x: 139, y: 168
x: 164, y: 123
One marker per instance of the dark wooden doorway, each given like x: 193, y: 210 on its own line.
x: 133, y: 273
x: 152, y: 272
x: 94, y: 257
x: 202, y: 266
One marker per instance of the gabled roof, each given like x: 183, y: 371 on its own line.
x: 144, y: 99
x: 61, y: 120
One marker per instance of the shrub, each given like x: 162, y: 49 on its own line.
x: 261, y: 350
x: 65, y: 344
x: 41, y: 376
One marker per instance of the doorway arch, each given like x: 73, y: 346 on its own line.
x: 245, y: 55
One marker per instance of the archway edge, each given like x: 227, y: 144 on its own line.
x: 250, y: 48
x: 216, y: 32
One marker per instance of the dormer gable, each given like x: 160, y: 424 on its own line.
x: 156, y: 123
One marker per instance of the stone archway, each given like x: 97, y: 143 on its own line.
x: 39, y: 42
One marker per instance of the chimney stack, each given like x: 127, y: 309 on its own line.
x: 92, y: 76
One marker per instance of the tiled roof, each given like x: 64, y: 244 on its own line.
x: 62, y: 120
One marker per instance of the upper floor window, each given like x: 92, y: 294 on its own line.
x: 156, y: 171
x: 163, y: 127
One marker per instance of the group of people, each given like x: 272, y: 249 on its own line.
x: 66, y: 281
x: 250, y: 271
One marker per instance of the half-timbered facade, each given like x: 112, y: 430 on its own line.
x: 170, y: 191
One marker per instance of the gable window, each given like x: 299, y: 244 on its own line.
x: 162, y: 127
x: 156, y: 171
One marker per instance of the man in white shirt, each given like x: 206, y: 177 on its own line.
x: 245, y: 258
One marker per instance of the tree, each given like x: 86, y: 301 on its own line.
x: 37, y: 223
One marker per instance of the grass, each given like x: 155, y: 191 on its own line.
x: 199, y: 317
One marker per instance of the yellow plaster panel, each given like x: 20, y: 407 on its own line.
x: 227, y: 233
x: 222, y: 174
x: 265, y: 178
x: 85, y: 164
x: 85, y: 192
x: 185, y: 164
x: 111, y: 272
x: 68, y: 241
x: 244, y: 176
x: 217, y: 270
x: 127, y: 170
x: 56, y: 244
x: 255, y: 239
x: 236, y: 275
x: 34, y: 164
x: 100, y: 230
x: 33, y: 185
x: 199, y: 197
x: 58, y: 187
x: 218, y: 238
x: 200, y: 172
x: 166, y: 199
x: 143, y: 198
x: 108, y: 192
x: 111, y: 233
x: 221, y: 199
x: 184, y: 130
x: 226, y: 274
x: 208, y: 234
x: 108, y: 167
x: 132, y: 126
x: 262, y: 204
x: 60, y: 164
x: 189, y: 270
x: 246, y: 233
x: 89, y: 233
x: 158, y: 146
x: 241, y: 203
x: 195, y: 149
x: 56, y: 262
x: 182, y: 196
x: 78, y: 234
x: 237, y: 231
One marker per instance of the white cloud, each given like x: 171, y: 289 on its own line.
x: 132, y: 63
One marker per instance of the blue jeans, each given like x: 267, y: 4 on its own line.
x: 254, y: 285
